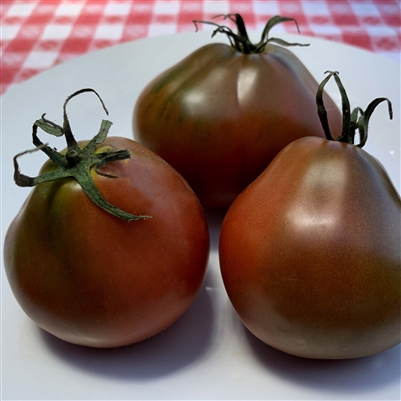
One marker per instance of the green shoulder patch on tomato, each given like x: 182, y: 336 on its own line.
x: 103, y: 277
x: 221, y: 114
x: 310, y: 251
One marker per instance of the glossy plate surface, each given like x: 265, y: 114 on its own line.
x: 207, y: 354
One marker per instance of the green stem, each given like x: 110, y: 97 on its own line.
x: 77, y: 162
x: 352, y: 120
x: 240, y: 40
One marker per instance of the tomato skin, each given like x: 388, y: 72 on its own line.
x: 219, y: 116
x: 310, y: 253
x: 93, y: 279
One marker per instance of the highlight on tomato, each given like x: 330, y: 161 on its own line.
x: 310, y: 252
x: 221, y: 114
x: 111, y: 246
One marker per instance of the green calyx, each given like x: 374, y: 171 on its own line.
x: 352, y: 120
x: 77, y: 162
x: 240, y: 40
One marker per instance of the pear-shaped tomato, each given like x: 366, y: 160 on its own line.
x: 221, y: 114
x: 310, y: 251
x: 111, y: 275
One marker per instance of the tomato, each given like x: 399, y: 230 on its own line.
x: 221, y: 114
x: 95, y: 279
x: 310, y: 251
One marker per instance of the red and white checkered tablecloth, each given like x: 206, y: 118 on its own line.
x: 38, y: 34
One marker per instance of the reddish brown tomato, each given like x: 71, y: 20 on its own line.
x: 93, y: 279
x: 220, y: 116
x: 310, y: 253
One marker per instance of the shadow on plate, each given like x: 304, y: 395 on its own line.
x: 347, y: 375
x: 214, y: 218
x: 177, y: 347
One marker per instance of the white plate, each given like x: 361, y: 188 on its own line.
x: 207, y: 354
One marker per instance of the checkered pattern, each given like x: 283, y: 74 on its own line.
x: 37, y: 34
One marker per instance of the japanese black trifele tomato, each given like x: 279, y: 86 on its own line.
x: 310, y: 251
x: 221, y: 114
x: 111, y: 246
